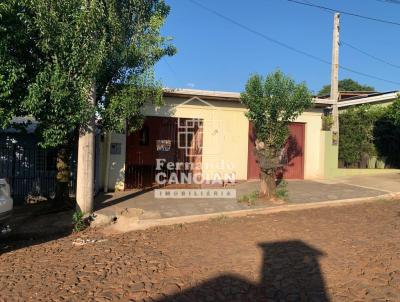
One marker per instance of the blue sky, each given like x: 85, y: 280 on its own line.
x: 216, y: 55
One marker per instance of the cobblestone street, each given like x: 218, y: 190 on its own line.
x: 346, y: 253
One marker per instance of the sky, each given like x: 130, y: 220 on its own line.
x: 214, y: 54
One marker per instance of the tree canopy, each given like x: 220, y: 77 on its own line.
x: 346, y: 85
x: 273, y: 102
x: 53, y: 52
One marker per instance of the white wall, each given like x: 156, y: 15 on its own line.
x: 116, y: 176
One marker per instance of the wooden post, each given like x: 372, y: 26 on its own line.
x: 86, y: 151
x: 335, y: 79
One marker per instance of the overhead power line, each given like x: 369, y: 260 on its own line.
x: 287, y: 46
x: 345, y: 12
x: 390, y: 1
x: 370, y: 55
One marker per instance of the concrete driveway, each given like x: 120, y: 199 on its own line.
x: 146, y: 206
x: 389, y: 183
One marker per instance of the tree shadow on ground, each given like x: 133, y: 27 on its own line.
x: 290, y: 272
x: 104, y: 200
x: 36, y: 224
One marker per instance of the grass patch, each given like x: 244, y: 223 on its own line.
x: 250, y: 199
x: 219, y: 219
x: 78, y: 221
x: 282, y: 191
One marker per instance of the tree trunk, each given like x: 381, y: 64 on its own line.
x: 63, y: 173
x: 86, y: 151
x: 268, y: 185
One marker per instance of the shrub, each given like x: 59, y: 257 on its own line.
x: 282, y: 190
x: 367, y: 131
x: 356, y: 139
x: 78, y: 221
x: 327, y: 122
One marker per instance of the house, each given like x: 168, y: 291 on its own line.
x: 209, y: 130
x: 203, y: 132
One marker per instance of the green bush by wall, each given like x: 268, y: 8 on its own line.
x: 367, y: 132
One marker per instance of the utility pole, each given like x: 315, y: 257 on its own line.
x: 86, y: 148
x: 335, y: 79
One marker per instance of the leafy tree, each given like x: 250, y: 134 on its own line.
x: 273, y: 102
x: 53, y: 52
x: 66, y: 62
x: 346, y: 85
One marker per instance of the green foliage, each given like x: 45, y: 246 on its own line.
x: 387, y: 135
x: 393, y: 112
x: 327, y: 122
x: 78, y: 221
x: 243, y: 199
x: 346, y: 85
x: 53, y: 53
x: 219, y: 219
x: 20, y: 59
x: 250, y: 199
x: 273, y: 103
x: 253, y: 196
x: 282, y: 190
x: 370, y: 131
x: 356, y: 133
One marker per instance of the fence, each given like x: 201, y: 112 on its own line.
x: 30, y: 170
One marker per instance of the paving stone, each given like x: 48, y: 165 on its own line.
x: 350, y: 253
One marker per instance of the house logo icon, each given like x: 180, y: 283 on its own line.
x: 192, y: 132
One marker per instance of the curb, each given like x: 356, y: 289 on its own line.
x: 138, y: 224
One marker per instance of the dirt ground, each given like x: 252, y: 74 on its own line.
x: 347, y: 253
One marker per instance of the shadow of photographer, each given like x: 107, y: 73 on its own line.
x: 290, y: 272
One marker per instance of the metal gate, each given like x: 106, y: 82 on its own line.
x: 30, y: 170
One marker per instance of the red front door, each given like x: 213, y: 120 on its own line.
x: 158, y: 139
x: 292, y: 155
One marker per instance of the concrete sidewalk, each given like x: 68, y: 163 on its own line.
x: 144, y: 206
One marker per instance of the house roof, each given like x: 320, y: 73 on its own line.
x: 348, y: 94
x: 206, y: 94
x: 222, y: 95
x: 377, y: 97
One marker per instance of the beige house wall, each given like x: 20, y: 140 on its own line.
x: 313, y: 146
x: 225, y: 138
x: 225, y: 133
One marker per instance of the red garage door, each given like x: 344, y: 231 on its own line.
x: 292, y: 155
